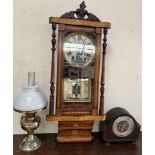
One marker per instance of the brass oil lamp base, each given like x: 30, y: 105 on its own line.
x: 30, y: 143
x: 30, y: 122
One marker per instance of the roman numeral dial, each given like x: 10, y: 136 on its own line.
x: 79, y: 49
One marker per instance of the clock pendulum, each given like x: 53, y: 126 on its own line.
x: 78, y: 73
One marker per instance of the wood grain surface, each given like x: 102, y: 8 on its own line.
x: 79, y: 22
x: 76, y: 118
x: 96, y: 147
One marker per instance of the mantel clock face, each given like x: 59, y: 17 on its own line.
x: 123, y: 126
x: 79, y: 49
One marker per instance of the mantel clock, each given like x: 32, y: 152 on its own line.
x: 79, y: 71
x: 120, y: 126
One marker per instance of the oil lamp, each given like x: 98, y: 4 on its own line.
x: 29, y: 102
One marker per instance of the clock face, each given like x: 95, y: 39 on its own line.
x: 123, y: 126
x: 79, y: 50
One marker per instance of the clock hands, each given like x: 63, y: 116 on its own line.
x: 84, y: 58
x: 124, y: 125
x: 82, y: 52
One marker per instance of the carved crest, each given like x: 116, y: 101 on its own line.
x: 81, y: 14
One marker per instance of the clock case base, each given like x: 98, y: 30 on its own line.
x: 77, y: 131
x: 72, y: 129
x: 110, y: 138
x: 73, y: 139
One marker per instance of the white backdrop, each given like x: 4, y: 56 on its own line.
x: 32, y: 43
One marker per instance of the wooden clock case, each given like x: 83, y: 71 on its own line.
x: 75, y: 120
x: 106, y: 127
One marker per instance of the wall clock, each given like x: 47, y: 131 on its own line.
x: 77, y: 83
x: 120, y: 126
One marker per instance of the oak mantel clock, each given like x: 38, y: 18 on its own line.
x: 79, y: 74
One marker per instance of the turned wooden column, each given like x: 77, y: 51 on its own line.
x: 101, y: 109
x: 52, y: 82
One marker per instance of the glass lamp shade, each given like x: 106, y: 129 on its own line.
x: 30, y: 99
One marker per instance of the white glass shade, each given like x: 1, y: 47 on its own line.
x: 30, y: 99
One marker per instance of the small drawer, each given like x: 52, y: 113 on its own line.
x: 76, y: 125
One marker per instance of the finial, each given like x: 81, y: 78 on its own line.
x: 82, y: 5
x: 81, y: 14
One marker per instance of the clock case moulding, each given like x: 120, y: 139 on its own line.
x: 75, y: 120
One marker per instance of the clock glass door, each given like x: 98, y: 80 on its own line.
x: 78, y: 72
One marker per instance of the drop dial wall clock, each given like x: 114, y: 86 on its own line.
x: 76, y: 87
